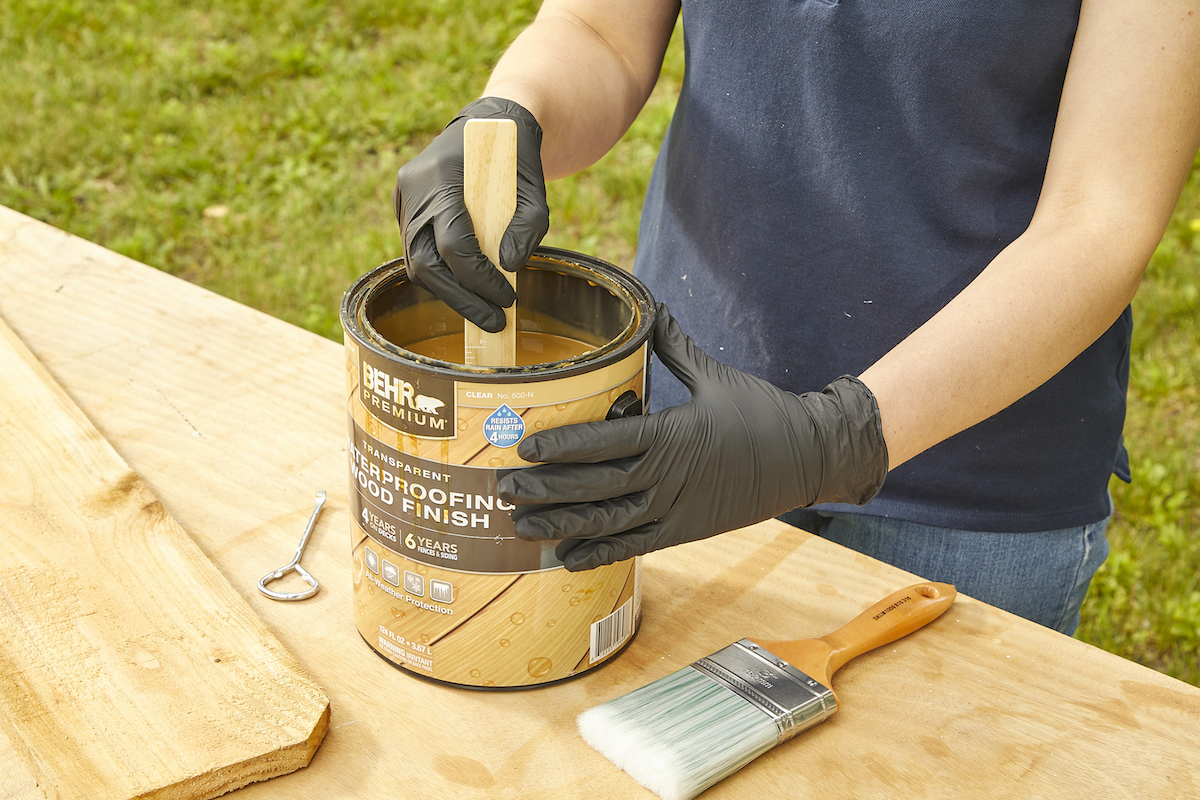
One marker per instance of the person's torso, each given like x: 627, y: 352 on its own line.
x: 834, y: 174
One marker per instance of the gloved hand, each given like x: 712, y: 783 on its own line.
x: 739, y: 452
x: 441, y: 252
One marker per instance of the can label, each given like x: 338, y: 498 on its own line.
x: 415, y: 403
x: 492, y: 630
x: 444, y: 515
x: 442, y: 585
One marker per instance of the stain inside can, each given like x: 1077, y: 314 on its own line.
x: 532, y: 348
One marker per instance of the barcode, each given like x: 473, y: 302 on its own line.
x: 611, y: 632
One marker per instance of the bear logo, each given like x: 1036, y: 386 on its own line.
x: 428, y: 405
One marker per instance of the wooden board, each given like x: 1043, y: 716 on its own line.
x: 490, y: 195
x: 234, y: 418
x: 128, y: 666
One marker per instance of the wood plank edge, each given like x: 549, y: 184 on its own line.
x: 284, y: 761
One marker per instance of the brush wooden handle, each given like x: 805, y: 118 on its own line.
x: 897, y: 615
x: 490, y: 193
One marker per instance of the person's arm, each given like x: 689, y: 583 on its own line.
x: 742, y: 450
x: 1127, y: 131
x: 572, y: 82
x: 584, y: 69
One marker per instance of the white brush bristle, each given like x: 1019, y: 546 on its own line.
x: 679, y: 735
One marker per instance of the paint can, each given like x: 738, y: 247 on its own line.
x: 443, y: 589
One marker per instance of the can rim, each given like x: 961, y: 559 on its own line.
x: 622, y: 283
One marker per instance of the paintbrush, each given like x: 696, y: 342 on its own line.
x: 687, y: 731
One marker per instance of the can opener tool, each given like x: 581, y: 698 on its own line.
x: 295, y: 566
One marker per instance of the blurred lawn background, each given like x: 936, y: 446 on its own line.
x: 251, y: 148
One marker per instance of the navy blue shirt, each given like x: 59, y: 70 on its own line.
x: 834, y: 174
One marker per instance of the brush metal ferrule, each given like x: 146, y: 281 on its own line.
x: 793, y: 700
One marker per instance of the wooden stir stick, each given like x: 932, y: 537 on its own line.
x: 490, y: 192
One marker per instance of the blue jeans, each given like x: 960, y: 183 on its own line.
x: 1042, y: 577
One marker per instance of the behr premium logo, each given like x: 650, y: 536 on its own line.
x: 422, y: 406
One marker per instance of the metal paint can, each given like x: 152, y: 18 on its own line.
x: 443, y: 588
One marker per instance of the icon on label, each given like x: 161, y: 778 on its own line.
x: 504, y: 427
x: 372, y: 559
x: 414, y: 583
x: 391, y: 573
x: 428, y: 405
x: 441, y: 591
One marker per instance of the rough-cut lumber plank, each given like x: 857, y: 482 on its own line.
x: 128, y: 665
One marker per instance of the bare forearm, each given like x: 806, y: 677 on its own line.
x: 1127, y: 130
x: 1043, y: 301
x: 584, y: 82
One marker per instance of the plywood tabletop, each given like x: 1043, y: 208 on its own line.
x: 233, y: 419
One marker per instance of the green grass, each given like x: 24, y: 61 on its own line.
x: 1145, y: 601
x: 252, y: 147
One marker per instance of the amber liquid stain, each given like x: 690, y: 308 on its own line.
x: 532, y: 348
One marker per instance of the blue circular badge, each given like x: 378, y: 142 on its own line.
x: 503, y: 427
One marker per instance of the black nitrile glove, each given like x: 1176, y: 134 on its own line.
x: 739, y: 452
x: 440, y: 248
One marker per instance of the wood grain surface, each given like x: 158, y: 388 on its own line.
x: 128, y: 666
x: 233, y: 419
x: 490, y: 195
